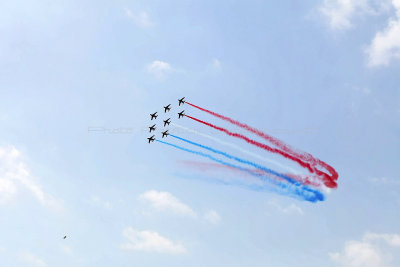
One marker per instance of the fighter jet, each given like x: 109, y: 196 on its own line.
x: 154, y: 115
x: 152, y: 128
x: 167, y: 108
x: 167, y: 122
x: 181, y: 114
x: 165, y: 133
x: 181, y: 101
x: 151, y: 139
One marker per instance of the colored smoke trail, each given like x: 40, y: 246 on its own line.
x: 254, y: 187
x: 288, y: 179
x: 309, y: 180
x: 330, y: 179
x: 211, y: 167
x: 234, y: 147
x: 329, y: 183
x: 207, y: 166
x: 305, y: 193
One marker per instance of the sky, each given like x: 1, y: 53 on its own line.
x: 322, y: 75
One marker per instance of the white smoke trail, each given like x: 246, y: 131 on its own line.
x: 236, y: 147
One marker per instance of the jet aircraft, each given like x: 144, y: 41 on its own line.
x: 167, y: 108
x: 151, y: 139
x: 181, y: 101
x: 152, y: 128
x: 167, y: 122
x: 165, y: 134
x: 181, y: 114
x: 154, y: 115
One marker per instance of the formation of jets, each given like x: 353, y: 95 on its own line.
x: 154, y: 116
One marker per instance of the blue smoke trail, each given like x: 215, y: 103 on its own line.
x: 287, y: 178
x: 290, y: 180
x: 302, y: 191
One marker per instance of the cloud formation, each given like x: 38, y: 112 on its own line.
x: 385, y: 46
x: 32, y: 260
x: 150, y: 241
x: 14, y: 173
x: 340, y: 13
x: 212, y: 217
x: 165, y: 201
x: 7, y: 190
x: 368, y: 252
x: 291, y: 209
x: 95, y: 200
x: 141, y: 19
x: 159, y: 69
x: 390, y: 239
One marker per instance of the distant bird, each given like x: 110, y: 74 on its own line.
x: 65, y: 237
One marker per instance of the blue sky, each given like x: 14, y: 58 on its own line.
x: 322, y: 75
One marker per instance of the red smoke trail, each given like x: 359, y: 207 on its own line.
x: 328, y: 181
x: 303, y: 155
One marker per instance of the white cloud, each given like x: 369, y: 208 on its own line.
x: 367, y: 252
x: 99, y: 202
x: 159, y: 69
x: 386, y: 44
x: 150, y: 241
x: 212, y: 216
x: 32, y: 260
x: 340, y: 13
x: 141, y: 19
x: 390, y: 239
x: 164, y: 201
x: 13, y: 172
x: 358, y: 254
x: 291, y: 209
x: 7, y: 190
